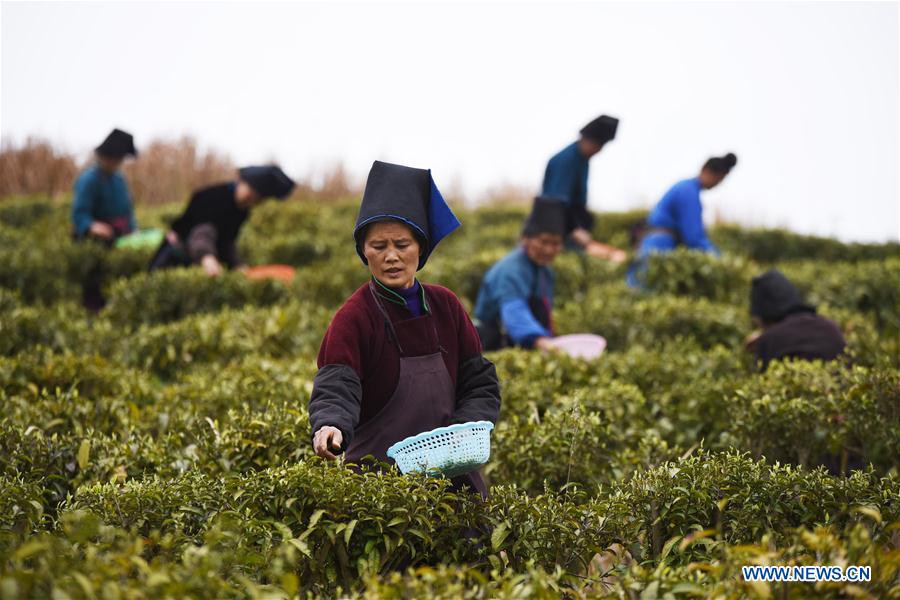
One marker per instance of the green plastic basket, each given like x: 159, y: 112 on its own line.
x: 143, y: 238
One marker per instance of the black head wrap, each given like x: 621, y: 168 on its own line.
x: 268, y: 181
x: 773, y: 297
x: 410, y: 196
x: 602, y: 129
x: 117, y: 145
x: 548, y: 215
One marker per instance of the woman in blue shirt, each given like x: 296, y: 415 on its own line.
x: 566, y: 178
x: 514, y: 305
x: 101, y: 208
x: 677, y: 220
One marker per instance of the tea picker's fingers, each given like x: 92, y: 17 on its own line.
x: 337, y: 440
x: 320, y: 444
x: 323, y: 441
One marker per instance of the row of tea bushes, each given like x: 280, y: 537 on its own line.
x: 59, y: 327
x: 687, y: 493
x: 24, y: 211
x: 844, y: 416
x: 350, y: 524
x: 701, y: 275
x: 41, y: 262
x: 625, y: 318
x: 739, y: 500
x: 288, y: 330
x: 247, y: 415
x: 771, y: 246
x: 280, y: 332
x: 808, y: 413
x: 171, y: 295
x: 40, y: 259
x: 868, y: 287
x: 88, y: 559
x: 58, y: 462
x: 717, y: 578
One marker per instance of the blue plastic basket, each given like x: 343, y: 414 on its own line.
x: 449, y: 451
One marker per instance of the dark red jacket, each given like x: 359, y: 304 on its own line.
x: 359, y: 365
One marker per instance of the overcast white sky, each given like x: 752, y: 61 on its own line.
x: 806, y: 94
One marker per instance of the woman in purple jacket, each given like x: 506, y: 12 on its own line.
x: 399, y: 357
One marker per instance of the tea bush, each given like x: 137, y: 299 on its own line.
x: 739, y: 499
x: 700, y: 275
x: 25, y: 211
x: 225, y: 336
x: 566, y: 447
x: 775, y: 245
x: 868, y: 287
x: 808, y: 413
x: 626, y: 318
x: 719, y: 577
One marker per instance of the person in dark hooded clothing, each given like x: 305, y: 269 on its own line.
x: 790, y: 327
x: 566, y: 178
x: 102, y: 208
x: 206, y: 233
x: 400, y: 357
x: 515, y: 302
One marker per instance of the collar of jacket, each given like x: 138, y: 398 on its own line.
x: 391, y: 296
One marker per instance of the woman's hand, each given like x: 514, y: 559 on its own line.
x: 750, y: 340
x: 544, y: 344
x: 606, y: 252
x: 172, y: 238
x: 581, y: 236
x: 326, y: 440
x: 102, y: 230
x: 211, y: 265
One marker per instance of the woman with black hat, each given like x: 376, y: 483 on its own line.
x: 102, y: 208
x: 514, y: 305
x: 790, y: 328
x: 677, y: 220
x: 566, y: 177
x: 399, y: 357
x: 206, y: 233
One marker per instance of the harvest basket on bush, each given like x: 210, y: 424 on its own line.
x: 144, y: 238
x: 449, y: 451
x: 283, y: 273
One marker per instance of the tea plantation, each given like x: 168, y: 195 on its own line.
x: 162, y: 448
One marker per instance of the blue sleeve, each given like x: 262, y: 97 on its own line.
x: 83, y: 205
x: 690, y: 223
x: 558, y: 180
x: 520, y: 324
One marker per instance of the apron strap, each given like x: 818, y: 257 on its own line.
x: 389, y: 325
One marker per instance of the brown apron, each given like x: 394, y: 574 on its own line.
x: 424, y: 399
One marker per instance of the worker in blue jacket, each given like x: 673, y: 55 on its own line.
x: 515, y: 302
x: 677, y: 220
x: 102, y: 209
x: 566, y: 178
